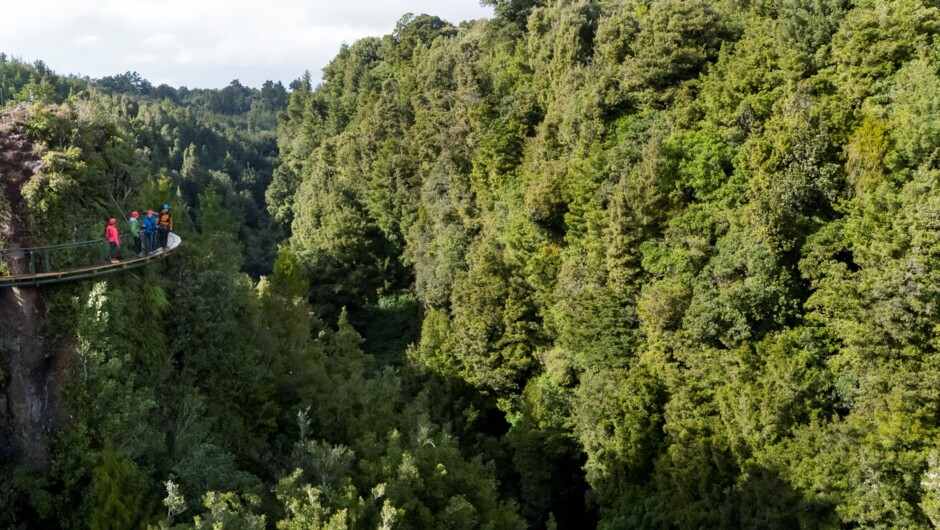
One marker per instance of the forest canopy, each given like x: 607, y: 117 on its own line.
x: 624, y: 264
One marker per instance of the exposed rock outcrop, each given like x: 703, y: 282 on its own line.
x: 29, y: 388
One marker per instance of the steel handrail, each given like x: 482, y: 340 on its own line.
x: 99, y: 265
x: 49, y: 258
x: 73, y: 244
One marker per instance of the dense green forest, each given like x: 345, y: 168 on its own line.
x: 614, y: 264
x: 192, y: 138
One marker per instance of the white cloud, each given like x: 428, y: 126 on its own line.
x: 205, y: 43
x: 87, y: 41
x: 162, y: 41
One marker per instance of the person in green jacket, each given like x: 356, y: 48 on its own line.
x: 135, y: 231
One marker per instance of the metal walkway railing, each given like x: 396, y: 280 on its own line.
x: 71, y: 261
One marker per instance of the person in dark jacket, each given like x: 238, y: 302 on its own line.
x: 114, y: 240
x: 150, y: 232
x: 165, y: 224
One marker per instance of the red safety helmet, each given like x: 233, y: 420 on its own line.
x: 112, y: 221
x: 133, y: 214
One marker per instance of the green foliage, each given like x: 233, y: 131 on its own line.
x: 305, y: 509
x: 23, y: 82
x: 676, y: 39
x: 228, y: 510
x: 118, y: 505
x: 680, y: 242
x: 651, y: 264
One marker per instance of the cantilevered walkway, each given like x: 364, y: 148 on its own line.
x: 71, y: 261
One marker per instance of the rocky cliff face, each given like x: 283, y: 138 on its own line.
x: 29, y: 393
x: 28, y: 388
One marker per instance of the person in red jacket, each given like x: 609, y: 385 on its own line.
x: 114, y: 240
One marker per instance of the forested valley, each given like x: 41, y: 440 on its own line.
x: 587, y: 263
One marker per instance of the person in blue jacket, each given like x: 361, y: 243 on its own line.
x: 150, y: 232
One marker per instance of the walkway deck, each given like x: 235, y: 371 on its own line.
x: 43, y: 278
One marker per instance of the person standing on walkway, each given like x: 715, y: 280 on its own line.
x: 165, y: 223
x: 114, y: 240
x: 150, y: 232
x: 135, y: 231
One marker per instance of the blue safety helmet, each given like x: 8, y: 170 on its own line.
x: 166, y: 206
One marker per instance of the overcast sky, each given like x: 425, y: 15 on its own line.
x: 203, y: 43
